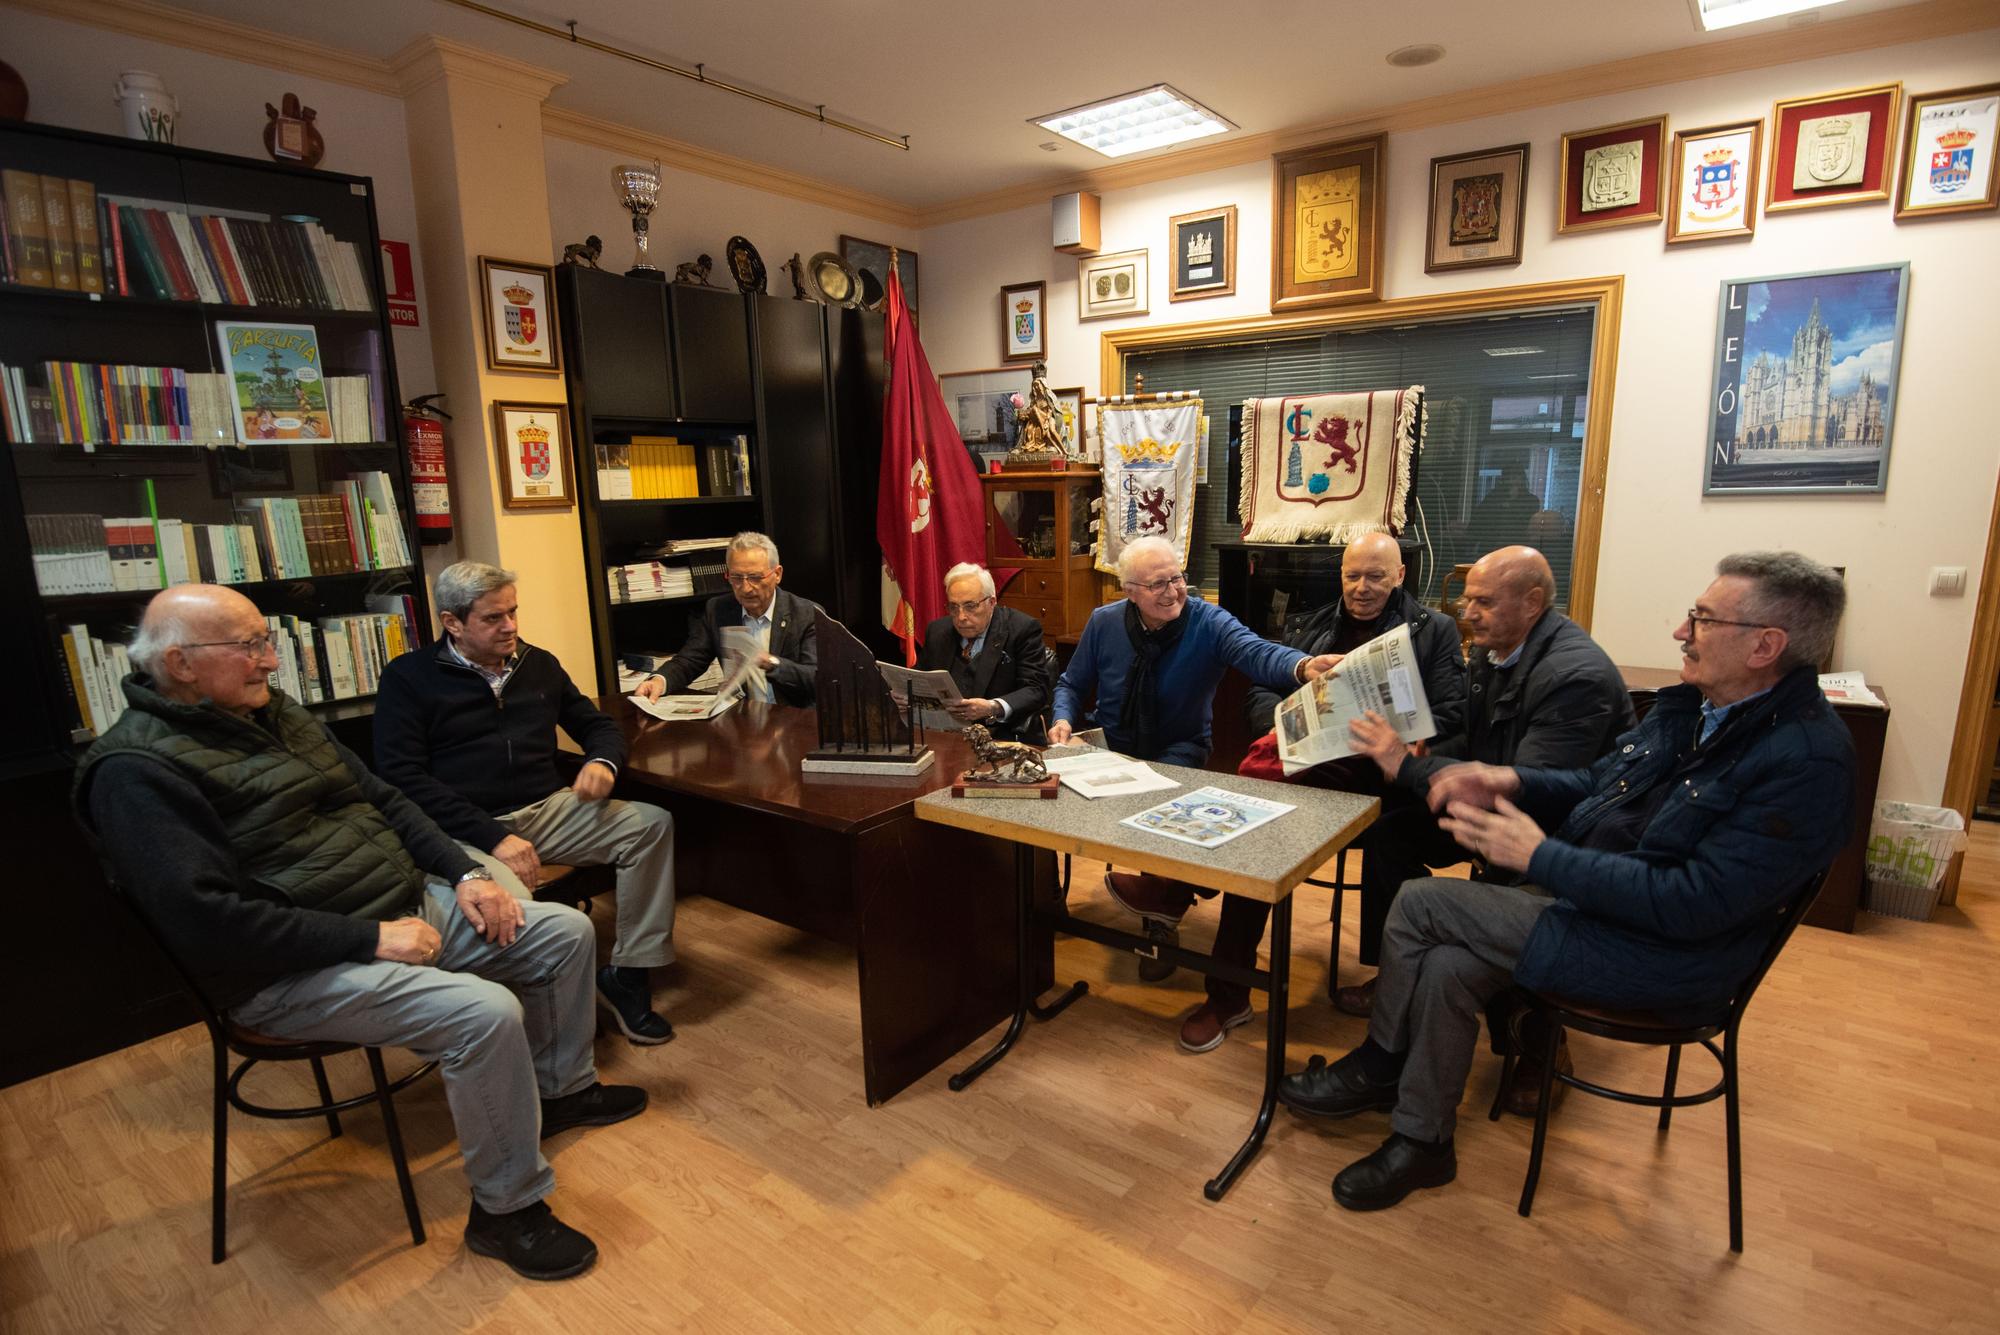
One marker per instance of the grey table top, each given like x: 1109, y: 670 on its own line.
x: 1265, y: 863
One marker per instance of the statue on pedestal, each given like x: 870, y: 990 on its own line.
x: 1040, y: 444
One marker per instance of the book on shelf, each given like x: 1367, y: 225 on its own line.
x: 95, y: 670
x: 92, y: 404
x: 279, y: 390
x: 648, y: 581
x: 664, y: 468
x: 28, y: 228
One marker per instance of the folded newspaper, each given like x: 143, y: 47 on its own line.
x: 739, y: 658
x: 930, y: 692
x: 1380, y: 675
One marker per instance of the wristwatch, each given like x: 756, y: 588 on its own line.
x: 476, y: 874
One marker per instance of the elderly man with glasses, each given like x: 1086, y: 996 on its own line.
x: 784, y: 626
x: 993, y: 653
x: 1656, y: 889
x: 311, y: 900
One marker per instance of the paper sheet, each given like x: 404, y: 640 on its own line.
x: 1208, y: 817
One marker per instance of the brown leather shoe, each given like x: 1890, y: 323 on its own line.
x: 1203, y: 1030
x: 1357, y: 1001
x: 1524, y: 1096
x: 1159, y: 899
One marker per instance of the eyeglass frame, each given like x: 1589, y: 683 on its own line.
x: 967, y: 609
x: 737, y: 579
x: 1695, y: 621
x: 1160, y: 586
x: 265, y: 644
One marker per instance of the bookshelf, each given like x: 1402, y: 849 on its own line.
x: 197, y: 381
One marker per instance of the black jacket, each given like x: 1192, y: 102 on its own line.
x: 1433, y: 635
x: 465, y: 756
x: 794, y: 641
x: 1561, y: 705
x: 1012, y: 666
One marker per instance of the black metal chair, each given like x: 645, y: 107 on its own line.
x: 1656, y: 1030
x: 226, y: 1037
x: 1340, y: 885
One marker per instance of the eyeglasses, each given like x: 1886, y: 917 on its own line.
x: 967, y: 609
x: 253, y: 648
x: 1696, y: 621
x: 737, y: 581
x: 1160, y: 586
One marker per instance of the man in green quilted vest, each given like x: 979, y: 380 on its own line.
x: 311, y: 900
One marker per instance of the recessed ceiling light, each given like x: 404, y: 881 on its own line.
x: 1409, y: 57
x: 1512, y: 352
x: 1709, y: 15
x: 1150, y: 118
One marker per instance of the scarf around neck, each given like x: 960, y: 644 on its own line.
x: 1140, y: 712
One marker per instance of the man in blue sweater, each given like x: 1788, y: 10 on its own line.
x: 1657, y: 889
x: 467, y: 729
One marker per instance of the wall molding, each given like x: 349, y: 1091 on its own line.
x: 1606, y: 295
x: 431, y: 58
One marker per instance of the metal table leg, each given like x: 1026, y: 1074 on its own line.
x: 1024, y: 976
x: 1274, y: 1051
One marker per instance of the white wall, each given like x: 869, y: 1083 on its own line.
x: 1661, y: 537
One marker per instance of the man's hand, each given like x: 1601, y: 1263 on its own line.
x: 768, y: 661
x: 652, y: 688
x: 1059, y: 732
x: 593, y: 784
x: 1373, y: 737
x: 1505, y: 836
x: 1473, y: 784
x: 520, y: 857
x: 493, y: 913
x: 1318, y: 667
x: 973, y: 710
x: 407, y: 941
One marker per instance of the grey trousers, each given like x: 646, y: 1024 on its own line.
x: 1449, y: 948
x: 507, y: 1026
x: 636, y: 837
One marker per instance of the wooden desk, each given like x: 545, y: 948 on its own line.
x: 1266, y: 864
x: 928, y: 910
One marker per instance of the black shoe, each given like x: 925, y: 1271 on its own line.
x: 599, y: 1105
x: 1153, y: 969
x: 631, y: 1005
x: 1392, y: 1172
x: 1339, y: 1090
x: 532, y: 1240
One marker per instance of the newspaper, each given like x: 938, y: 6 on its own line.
x: 1208, y: 816
x: 1380, y: 675
x: 928, y: 692
x: 674, y: 708
x: 1849, y: 688
x: 1105, y: 773
x: 734, y: 672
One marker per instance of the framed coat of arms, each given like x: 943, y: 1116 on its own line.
x: 520, y: 316
x: 1613, y: 176
x: 1326, y: 225
x: 1476, y: 203
x: 1835, y: 148
x: 532, y: 442
x: 1948, y: 141
x: 1712, y: 188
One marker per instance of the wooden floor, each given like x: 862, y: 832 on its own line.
x: 1063, y: 1191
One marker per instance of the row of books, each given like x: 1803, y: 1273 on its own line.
x: 93, y: 403
x: 649, y: 581
x: 649, y: 468
x: 357, y: 526
x: 62, y: 233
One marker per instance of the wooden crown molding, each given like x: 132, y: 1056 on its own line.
x: 581, y: 128
x: 431, y: 58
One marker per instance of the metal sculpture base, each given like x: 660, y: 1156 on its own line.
x: 880, y: 764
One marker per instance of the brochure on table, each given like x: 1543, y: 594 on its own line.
x: 1208, y: 817
x: 1105, y: 773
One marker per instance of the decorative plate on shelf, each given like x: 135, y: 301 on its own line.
x: 833, y: 280
x: 872, y: 291
x: 747, y: 265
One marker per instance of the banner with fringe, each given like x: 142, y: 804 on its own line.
x: 1328, y: 466
x: 1150, y: 455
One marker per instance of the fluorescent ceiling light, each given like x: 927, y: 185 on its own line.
x: 1714, y: 14
x: 1151, y: 118
x: 1512, y: 352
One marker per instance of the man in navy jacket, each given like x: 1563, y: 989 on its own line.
x: 1657, y: 889
x: 467, y: 729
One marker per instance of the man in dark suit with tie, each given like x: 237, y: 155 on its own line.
x: 784, y: 625
x: 993, y: 653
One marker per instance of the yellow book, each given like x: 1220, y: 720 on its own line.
x: 684, y: 470
x: 650, y: 479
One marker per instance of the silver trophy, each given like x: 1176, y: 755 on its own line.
x: 639, y: 191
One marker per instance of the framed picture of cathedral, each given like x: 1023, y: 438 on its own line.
x: 1806, y: 372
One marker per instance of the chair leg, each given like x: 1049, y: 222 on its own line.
x: 1729, y: 1113
x: 326, y: 1098
x: 1673, y: 1071
x: 1333, y: 946
x: 1541, y: 1120
x: 394, y: 1134
x: 219, y: 1183
x: 1506, y: 1081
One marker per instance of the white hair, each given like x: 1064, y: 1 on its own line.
x: 969, y: 570
x: 464, y: 583
x: 754, y: 542
x: 160, y: 631
x: 1139, y: 547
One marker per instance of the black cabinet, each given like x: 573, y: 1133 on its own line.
x: 617, y: 334
x: 711, y: 357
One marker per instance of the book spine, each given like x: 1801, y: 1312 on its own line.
x: 62, y: 240
x: 83, y: 222
x: 29, y: 227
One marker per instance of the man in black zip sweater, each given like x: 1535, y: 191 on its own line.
x: 467, y: 729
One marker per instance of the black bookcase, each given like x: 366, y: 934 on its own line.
x: 111, y: 989
x: 798, y: 384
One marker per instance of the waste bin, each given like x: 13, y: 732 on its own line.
x: 1910, y: 848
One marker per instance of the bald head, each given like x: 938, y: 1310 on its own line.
x: 204, y: 642
x: 1506, y: 593
x: 1370, y: 570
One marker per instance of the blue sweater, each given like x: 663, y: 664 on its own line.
x: 1187, y: 676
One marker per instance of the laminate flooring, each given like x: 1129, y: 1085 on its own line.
x: 1062, y: 1192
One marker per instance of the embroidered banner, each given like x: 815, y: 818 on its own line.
x: 1150, y: 455
x: 1332, y: 466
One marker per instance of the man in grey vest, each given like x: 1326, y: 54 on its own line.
x: 311, y: 900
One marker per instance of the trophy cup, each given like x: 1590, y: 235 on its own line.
x: 639, y: 191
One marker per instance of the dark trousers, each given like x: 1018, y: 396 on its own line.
x: 1403, y: 844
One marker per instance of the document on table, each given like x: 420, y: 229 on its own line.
x: 1105, y: 774
x: 739, y: 653
x: 1380, y: 675
x: 675, y: 708
x: 929, y: 692
x: 1207, y: 816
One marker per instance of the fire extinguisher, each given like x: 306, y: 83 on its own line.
x: 423, y: 436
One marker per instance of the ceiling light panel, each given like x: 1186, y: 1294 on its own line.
x: 1155, y: 117
x: 1714, y: 14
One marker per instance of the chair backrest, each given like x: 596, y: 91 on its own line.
x: 1789, y: 915
x: 1051, y: 669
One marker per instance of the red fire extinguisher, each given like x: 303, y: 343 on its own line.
x: 423, y: 435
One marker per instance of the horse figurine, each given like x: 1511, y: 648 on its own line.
x: 1005, y: 762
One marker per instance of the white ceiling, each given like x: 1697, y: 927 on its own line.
x: 961, y: 80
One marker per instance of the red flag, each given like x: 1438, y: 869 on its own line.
x: 928, y: 516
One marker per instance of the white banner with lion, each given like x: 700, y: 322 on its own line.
x: 1150, y: 452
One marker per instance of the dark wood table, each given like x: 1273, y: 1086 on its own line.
x: 928, y: 910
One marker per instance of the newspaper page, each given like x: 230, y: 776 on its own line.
x: 740, y: 652
x: 1380, y: 675
x: 1208, y: 816
x: 675, y: 708
x: 927, y: 692
x: 734, y: 671
x: 1104, y: 773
